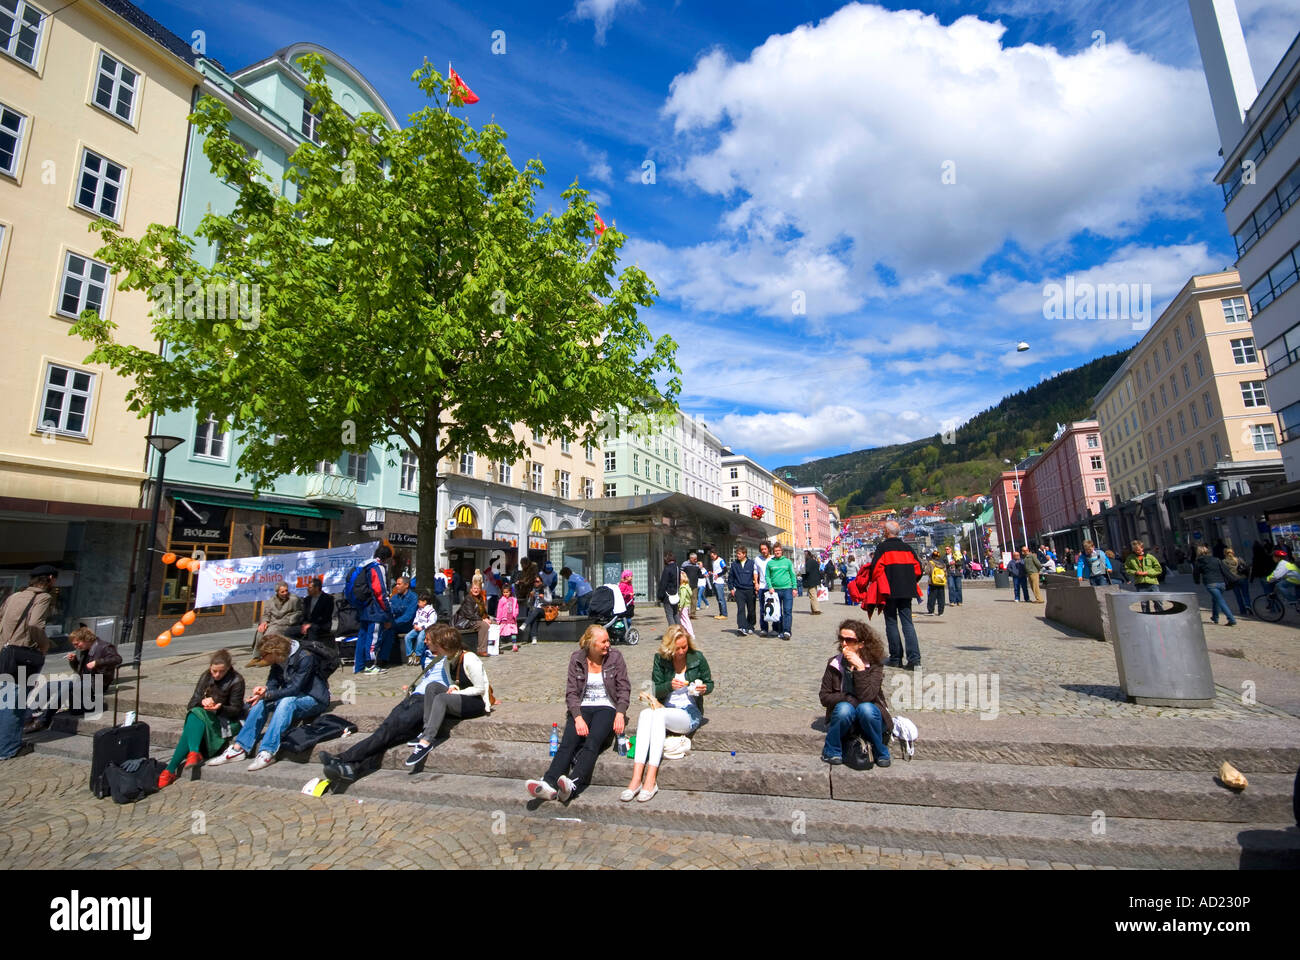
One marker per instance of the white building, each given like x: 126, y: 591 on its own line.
x: 746, y: 485
x: 701, y: 475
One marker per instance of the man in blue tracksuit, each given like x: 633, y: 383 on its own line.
x: 376, y: 615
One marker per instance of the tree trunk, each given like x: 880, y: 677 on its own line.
x: 426, y: 559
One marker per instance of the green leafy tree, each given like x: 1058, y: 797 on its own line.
x: 410, y: 297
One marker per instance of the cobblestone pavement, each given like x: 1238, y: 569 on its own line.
x: 1042, y: 669
x: 48, y: 819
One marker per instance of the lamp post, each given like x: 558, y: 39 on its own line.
x: 1020, y: 500
x: 164, y: 445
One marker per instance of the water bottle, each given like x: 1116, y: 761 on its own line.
x: 622, y: 745
x: 555, y: 738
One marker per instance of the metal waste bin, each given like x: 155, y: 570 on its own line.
x: 1160, y: 653
x: 1001, y: 579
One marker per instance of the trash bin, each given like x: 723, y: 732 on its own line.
x: 1001, y: 579
x: 1160, y: 654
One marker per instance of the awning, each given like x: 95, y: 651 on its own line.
x: 1276, y: 500
x: 290, y: 508
x: 473, y: 543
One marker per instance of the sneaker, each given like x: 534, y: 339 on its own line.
x: 419, y: 753
x: 893, y: 663
x: 913, y: 665
x: 785, y: 636
x: 833, y: 761
x: 541, y: 790
x: 566, y: 788
x: 166, y: 779
x: 883, y: 761
x: 192, y: 759
x: 721, y: 616
x: 232, y: 752
x: 264, y: 759
x: 413, y: 743
x: 372, y: 671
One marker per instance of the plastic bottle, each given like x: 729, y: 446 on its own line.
x: 555, y: 738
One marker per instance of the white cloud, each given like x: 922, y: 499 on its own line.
x: 833, y: 137
x: 598, y: 167
x: 601, y: 12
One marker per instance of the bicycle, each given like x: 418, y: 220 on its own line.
x: 1271, y: 608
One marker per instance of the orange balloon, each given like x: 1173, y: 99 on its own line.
x: 178, y: 628
x: 164, y: 638
x: 188, y: 617
x: 195, y: 563
x: 169, y: 558
x: 183, y: 563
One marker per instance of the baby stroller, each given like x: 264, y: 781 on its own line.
x: 608, y: 609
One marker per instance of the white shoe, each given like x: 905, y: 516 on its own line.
x: 264, y: 759
x: 627, y: 796
x: 232, y: 752
x: 541, y: 789
x: 567, y: 787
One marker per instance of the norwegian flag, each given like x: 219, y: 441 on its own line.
x: 600, y: 226
x: 460, y: 91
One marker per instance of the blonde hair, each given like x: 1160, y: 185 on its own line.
x: 589, y: 636
x: 669, y: 643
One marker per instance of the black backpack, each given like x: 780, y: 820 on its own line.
x: 326, y: 654
x: 329, y: 726
x: 357, y: 589
x: 133, y: 779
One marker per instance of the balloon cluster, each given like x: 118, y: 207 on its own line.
x: 192, y: 564
x: 757, y: 512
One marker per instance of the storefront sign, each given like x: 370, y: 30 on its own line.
x: 371, y: 527
x: 1211, y: 493
x: 536, y: 543
x: 199, y: 522
x: 291, y: 538
x: 403, y: 539
x: 248, y: 579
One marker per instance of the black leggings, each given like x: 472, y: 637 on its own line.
x: 402, y: 723
x: 576, y: 757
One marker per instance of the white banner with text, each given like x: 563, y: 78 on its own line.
x: 249, y: 579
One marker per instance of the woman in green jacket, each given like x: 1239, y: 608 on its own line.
x: 681, y: 680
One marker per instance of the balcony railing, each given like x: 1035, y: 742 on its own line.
x: 331, y: 487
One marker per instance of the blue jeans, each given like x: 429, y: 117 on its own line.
x: 1020, y: 588
x: 846, y: 719
x: 581, y: 602
x: 282, y: 715
x: 1241, y: 589
x: 11, y: 721
x: 1215, y: 590
x: 720, y: 591
x: 787, y: 608
x: 414, y: 642
x: 954, y: 587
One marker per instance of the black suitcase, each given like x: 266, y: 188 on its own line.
x: 115, y: 745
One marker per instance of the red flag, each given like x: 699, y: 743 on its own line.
x: 600, y: 226
x: 459, y: 90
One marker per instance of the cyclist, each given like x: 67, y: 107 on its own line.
x: 1285, y: 578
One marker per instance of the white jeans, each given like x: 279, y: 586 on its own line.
x: 653, y: 727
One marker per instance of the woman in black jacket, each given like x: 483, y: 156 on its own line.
x: 215, y: 710
x: 670, y: 582
x: 812, y: 579
x: 1214, y: 573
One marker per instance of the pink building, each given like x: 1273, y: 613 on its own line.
x: 1008, y: 521
x: 812, y: 519
x: 1067, y: 485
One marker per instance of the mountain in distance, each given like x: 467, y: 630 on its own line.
x: 929, y: 470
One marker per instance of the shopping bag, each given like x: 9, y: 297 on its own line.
x: 494, y: 640
x: 823, y: 594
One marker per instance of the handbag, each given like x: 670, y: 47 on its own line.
x: 550, y: 612
x: 674, y: 598
x: 494, y: 640
x: 823, y: 594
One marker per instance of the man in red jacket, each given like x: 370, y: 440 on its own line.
x: 890, y: 584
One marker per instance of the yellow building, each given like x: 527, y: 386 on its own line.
x: 94, y: 100
x: 783, y: 511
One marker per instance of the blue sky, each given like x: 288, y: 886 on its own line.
x: 912, y: 178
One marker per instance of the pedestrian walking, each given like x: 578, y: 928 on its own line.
x: 891, y: 584
x: 781, y: 578
x: 1214, y: 573
x: 812, y: 581
x: 742, y: 584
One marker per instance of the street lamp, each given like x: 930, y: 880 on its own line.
x: 1020, y: 500
x: 164, y: 445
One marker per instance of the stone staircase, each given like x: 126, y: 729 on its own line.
x: 1097, y: 792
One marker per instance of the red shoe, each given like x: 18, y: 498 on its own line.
x: 192, y: 759
x: 166, y: 778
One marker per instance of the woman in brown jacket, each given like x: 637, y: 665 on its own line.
x: 852, y: 695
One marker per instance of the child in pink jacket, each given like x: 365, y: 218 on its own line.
x: 625, y: 588
x: 508, y: 615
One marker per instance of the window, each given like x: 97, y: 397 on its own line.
x: 356, y: 465
x: 1191, y: 327
x: 647, y: 469
x: 1156, y: 358
x: 20, y: 30
x: 1169, y: 426
x: 1252, y: 393
x: 1093, y: 441
x: 1188, y: 453
x: 1196, y: 417
x: 735, y: 492
x: 588, y: 488
x: 410, y: 477
x: 209, y: 439
x: 327, y: 466
x: 12, y: 125
x: 590, y: 450
x: 115, y: 88
x: 535, y: 477
x: 735, y: 508
x: 735, y: 473
x: 805, y: 513
x: 564, y: 484
x: 1095, y: 462
x: 1209, y: 407
x: 505, y: 474
x: 1264, y: 436
x: 636, y: 489
x: 1146, y: 370
x: 805, y: 503
x: 1243, y: 350
x: 66, y: 406
x: 1200, y: 450
x: 1099, y: 484
x: 83, y: 286
x: 1173, y: 387
x: 1218, y: 449
x: 636, y: 463
x: 564, y: 446
x: 611, y: 461
x: 1164, y: 398
x: 309, y: 122
x: 1160, y: 436
x: 467, y: 463
x: 100, y: 185
x: 1182, y: 424
x: 1234, y: 310
x: 1168, y: 359
x: 611, y: 489
x: 1187, y: 377
x: 1144, y: 410
x: 537, y: 438
x: 1279, y: 279
x: 656, y: 473
x: 1178, y: 339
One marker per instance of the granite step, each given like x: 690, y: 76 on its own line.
x: 1118, y: 841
